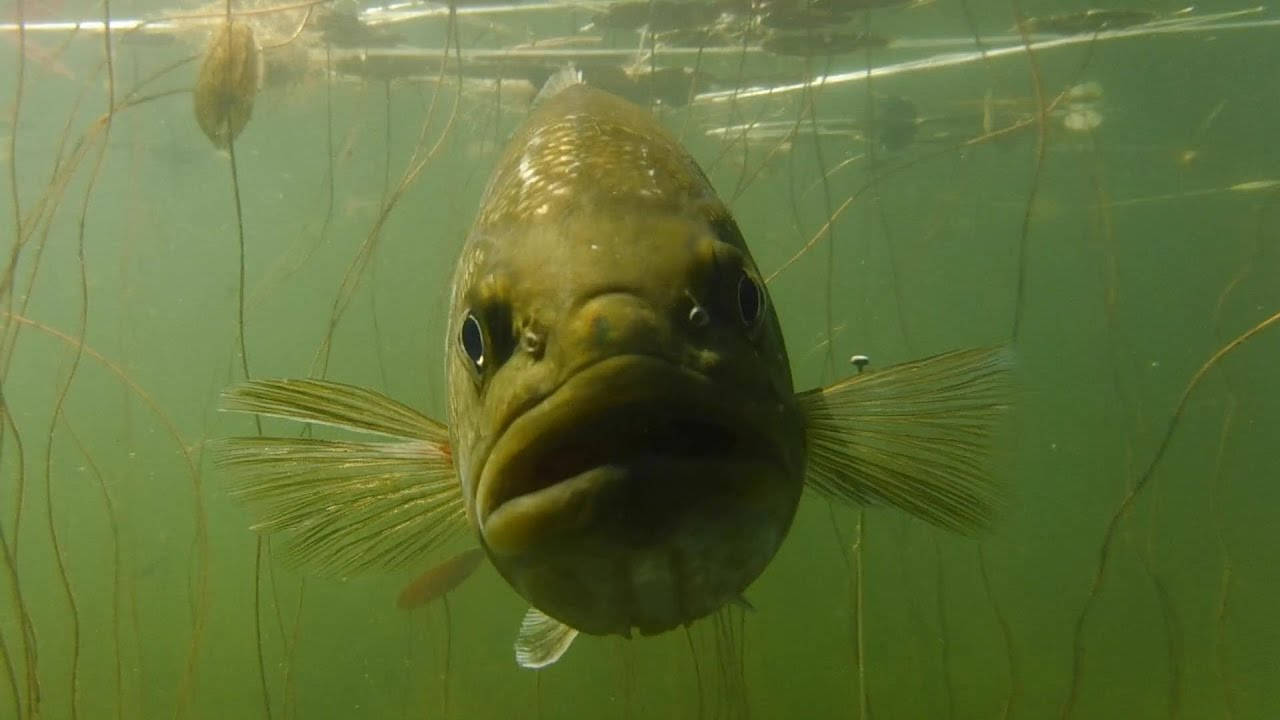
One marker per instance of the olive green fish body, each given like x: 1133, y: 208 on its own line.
x: 621, y: 404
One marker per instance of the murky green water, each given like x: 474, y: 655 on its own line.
x: 1132, y: 254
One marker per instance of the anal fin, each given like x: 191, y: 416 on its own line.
x: 542, y: 640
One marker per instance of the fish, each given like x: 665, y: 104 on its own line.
x: 345, y: 29
x: 1093, y: 20
x: 820, y: 42
x: 624, y: 440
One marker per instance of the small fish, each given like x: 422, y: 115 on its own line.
x: 345, y: 29
x: 656, y: 15
x: 1088, y: 21
x: 624, y: 439
x: 821, y: 42
x: 783, y: 15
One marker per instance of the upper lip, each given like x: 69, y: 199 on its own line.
x: 594, y: 417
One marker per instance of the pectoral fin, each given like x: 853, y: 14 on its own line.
x: 916, y: 436
x: 346, y: 506
x: 542, y: 640
x: 440, y: 580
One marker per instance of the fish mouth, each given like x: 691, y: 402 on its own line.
x: 618, y: 421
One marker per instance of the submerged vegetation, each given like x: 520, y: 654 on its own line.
x: 912, y: 177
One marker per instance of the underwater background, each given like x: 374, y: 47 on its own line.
x: 1107, y: 200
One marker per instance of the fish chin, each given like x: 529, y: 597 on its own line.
x: 638, y: 495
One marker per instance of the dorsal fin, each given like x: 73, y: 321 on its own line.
x: 566, y: 76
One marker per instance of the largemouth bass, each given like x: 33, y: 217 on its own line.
x: 624, y: 440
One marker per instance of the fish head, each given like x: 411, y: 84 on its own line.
x: 620, y: 397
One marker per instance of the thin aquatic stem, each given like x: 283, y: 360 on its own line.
x: 851, y: 587
x: 1104, y: 551
x: 828, y: 301
x: 46, y: 206
x: 15, y: 115
x: 537, y: 696
x: 986, y: 137
x: 243, y: 352
x: 354, y: 274
x: 873, y: 167
x: 30, y: 651
x: 11, y: 677
x: 291, y: 649
x: 944, y: 632
x: 627, y: 657
x: 114, y: 526
x: 27, y: 632
x: 1033, y: 187
x: 201, y: 535
x: 734, y: 117
x: 1217, y: 485
x: 448, y: 656
x: 252, y: 12
x: 1006, y: 635
x: 1224, y: 590
x: 697, y: 670
x: 59, y: 556
x: 860, y: 549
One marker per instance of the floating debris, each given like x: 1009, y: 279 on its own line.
x: 1081, y: 119
x: 230, y: 77
x: 372, y: 66
x: 1255, y: 186
x: 822, y: 42
x: 561, y: 41
x: 143, y: 36
x: 1088, y: 91
x: 897, y: 123
x: 849, y: 6
x: 801, y: 18
x: 658, y: 15
x: 345, y: 30
x: 1082, y: 112
x: 670, y: 86
x: 1088, y: 21
x: 721, y: 34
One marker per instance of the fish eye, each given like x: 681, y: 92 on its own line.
x: 471, y: 338
x: 750, y: 300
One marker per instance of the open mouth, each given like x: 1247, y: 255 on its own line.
x: 617, y: 415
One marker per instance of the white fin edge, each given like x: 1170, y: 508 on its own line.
x: 541, y: 640
x: 566, y: 76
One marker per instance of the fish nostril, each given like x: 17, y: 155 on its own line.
x: 699, y: 317
x: 532, y: 343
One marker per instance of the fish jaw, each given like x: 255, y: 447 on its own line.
x: 639, y: 494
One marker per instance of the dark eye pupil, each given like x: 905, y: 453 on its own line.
x: 748, y: 299
x: 472, y: 340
